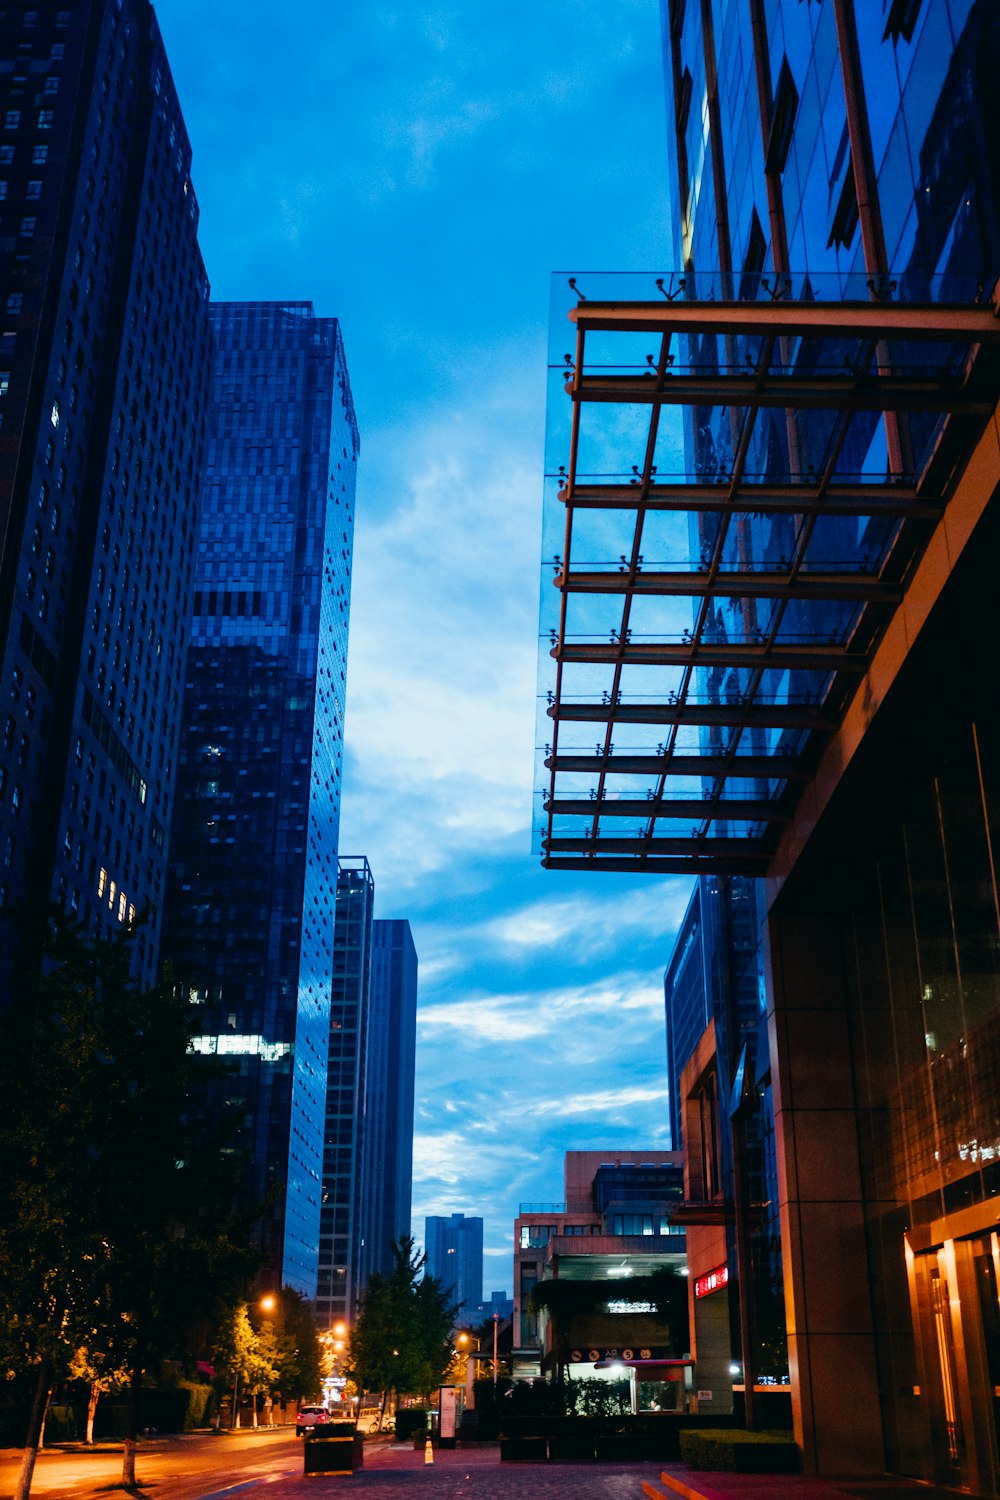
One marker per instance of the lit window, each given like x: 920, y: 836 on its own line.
x: 111, y: 895
x: 12, y: 119
x: 39, y: 155
x: 121, y: 907
x: 4, y: 381
x: 102, y: 881
x: 54, y: 414
x: 45, y: 118
x: 33, y: 191
x: 131, y: 914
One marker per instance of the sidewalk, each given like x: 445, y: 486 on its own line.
x: 678, y: 1482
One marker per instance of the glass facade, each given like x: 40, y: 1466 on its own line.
x: 343, y: 1251
x: 104, y: 375
x: 392, y: 1035
x: 454, y: 1248
x: 254, y: 844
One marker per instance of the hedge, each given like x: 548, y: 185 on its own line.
x: 733, y: 1449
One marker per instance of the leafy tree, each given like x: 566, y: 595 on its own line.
x: 97, y: 1369
x: 297, y: 1360
x: 115, y: 1229
x: 246, y: 1357
x: 402, y: 1336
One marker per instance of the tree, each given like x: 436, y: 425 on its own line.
x: 96, y: 1368
x: 115, y: 1221
x: 402, y: 1336
x: 297, y: 1347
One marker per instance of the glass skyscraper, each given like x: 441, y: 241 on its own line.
x: 104, y: 371
x: 454, y: 1246
x: 772, y: 524
x: 388, y: 1148
x: 253, y: 877
x: 342, y: 1248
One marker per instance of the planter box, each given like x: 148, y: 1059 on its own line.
x: 740, y: 1452
x: 523, y: 1448
x: 571, y: 1447
x: 327, y: 1451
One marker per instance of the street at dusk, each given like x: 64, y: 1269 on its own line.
x: 499, y: 749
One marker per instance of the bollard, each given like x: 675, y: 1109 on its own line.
x: 428, y: 1450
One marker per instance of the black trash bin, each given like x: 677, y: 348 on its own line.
x: 337, y: 1448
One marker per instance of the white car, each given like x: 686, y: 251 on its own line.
x: 310, y: 1416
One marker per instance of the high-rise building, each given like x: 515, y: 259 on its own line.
x: 454, y: 1246
x: 388, y: 1145
x: 342, y: 1257
x: 104, y: 369
x: 253, y: 875
x: 783, y: 453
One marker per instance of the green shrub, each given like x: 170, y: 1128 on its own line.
x: 409, y: 1421
x: 733, y: 1449
x: 62, y: 1425
x: 199, y: 1397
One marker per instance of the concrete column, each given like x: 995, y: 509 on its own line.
x: 831, y: 1343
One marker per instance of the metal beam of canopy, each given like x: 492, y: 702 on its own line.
x: 800, y: 532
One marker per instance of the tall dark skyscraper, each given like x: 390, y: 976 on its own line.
x: 342, y: 1257
x: 454, y: 1246
x: 388, y: 1148
x: 253, y: 876
x: 104, y: 370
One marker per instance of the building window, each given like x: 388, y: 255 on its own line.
x: 45, y: 118
x: 40, y: 155
x: 28, y: 226
x: 12, y: 119
x: 33, y: 191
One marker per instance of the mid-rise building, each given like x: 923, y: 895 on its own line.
x: 253, y: 877
x: 391, y: 1061
x: 613, y: 1230
x: 773, y: 521
x: 343, y: 1218
x: 104, y: 372
x: 454, y: 1246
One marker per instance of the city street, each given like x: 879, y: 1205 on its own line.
x: 200, y: 1466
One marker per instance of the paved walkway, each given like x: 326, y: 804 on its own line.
x: 477, y: 1474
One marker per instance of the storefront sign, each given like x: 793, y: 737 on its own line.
x: 712, y: 1281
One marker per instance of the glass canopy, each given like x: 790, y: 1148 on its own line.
x: 738, y: 488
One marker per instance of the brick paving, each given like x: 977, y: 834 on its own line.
x: 394, y: 1470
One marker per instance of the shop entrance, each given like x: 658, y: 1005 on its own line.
x: 955, y: 1289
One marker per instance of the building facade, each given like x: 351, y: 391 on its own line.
x: 615, y: 1224
x: 253, y: 877
x: 104, y: 372
x: 388, y: 1145
x: 454, y: 1246
x: 343, y: 1222
x: 786, y: 651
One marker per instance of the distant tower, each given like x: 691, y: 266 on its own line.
x: 342, y: 1216
x: 455, y: 1256
x: 388, y: 1147
x: 104, y: 370
x: 254, y: 845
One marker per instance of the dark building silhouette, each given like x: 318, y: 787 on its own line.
x: 104, y: 370
x: 388, y: 1146
x: 250, y: 918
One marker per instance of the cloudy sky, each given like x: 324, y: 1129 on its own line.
x: 418, y: 170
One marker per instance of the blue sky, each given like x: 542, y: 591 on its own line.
x: 418, y: 171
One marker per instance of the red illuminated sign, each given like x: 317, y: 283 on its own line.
x: 712, y: 1281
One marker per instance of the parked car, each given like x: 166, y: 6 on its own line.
x: 310, y: 1416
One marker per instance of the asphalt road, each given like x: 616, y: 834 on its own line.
x: 192, y: 1467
